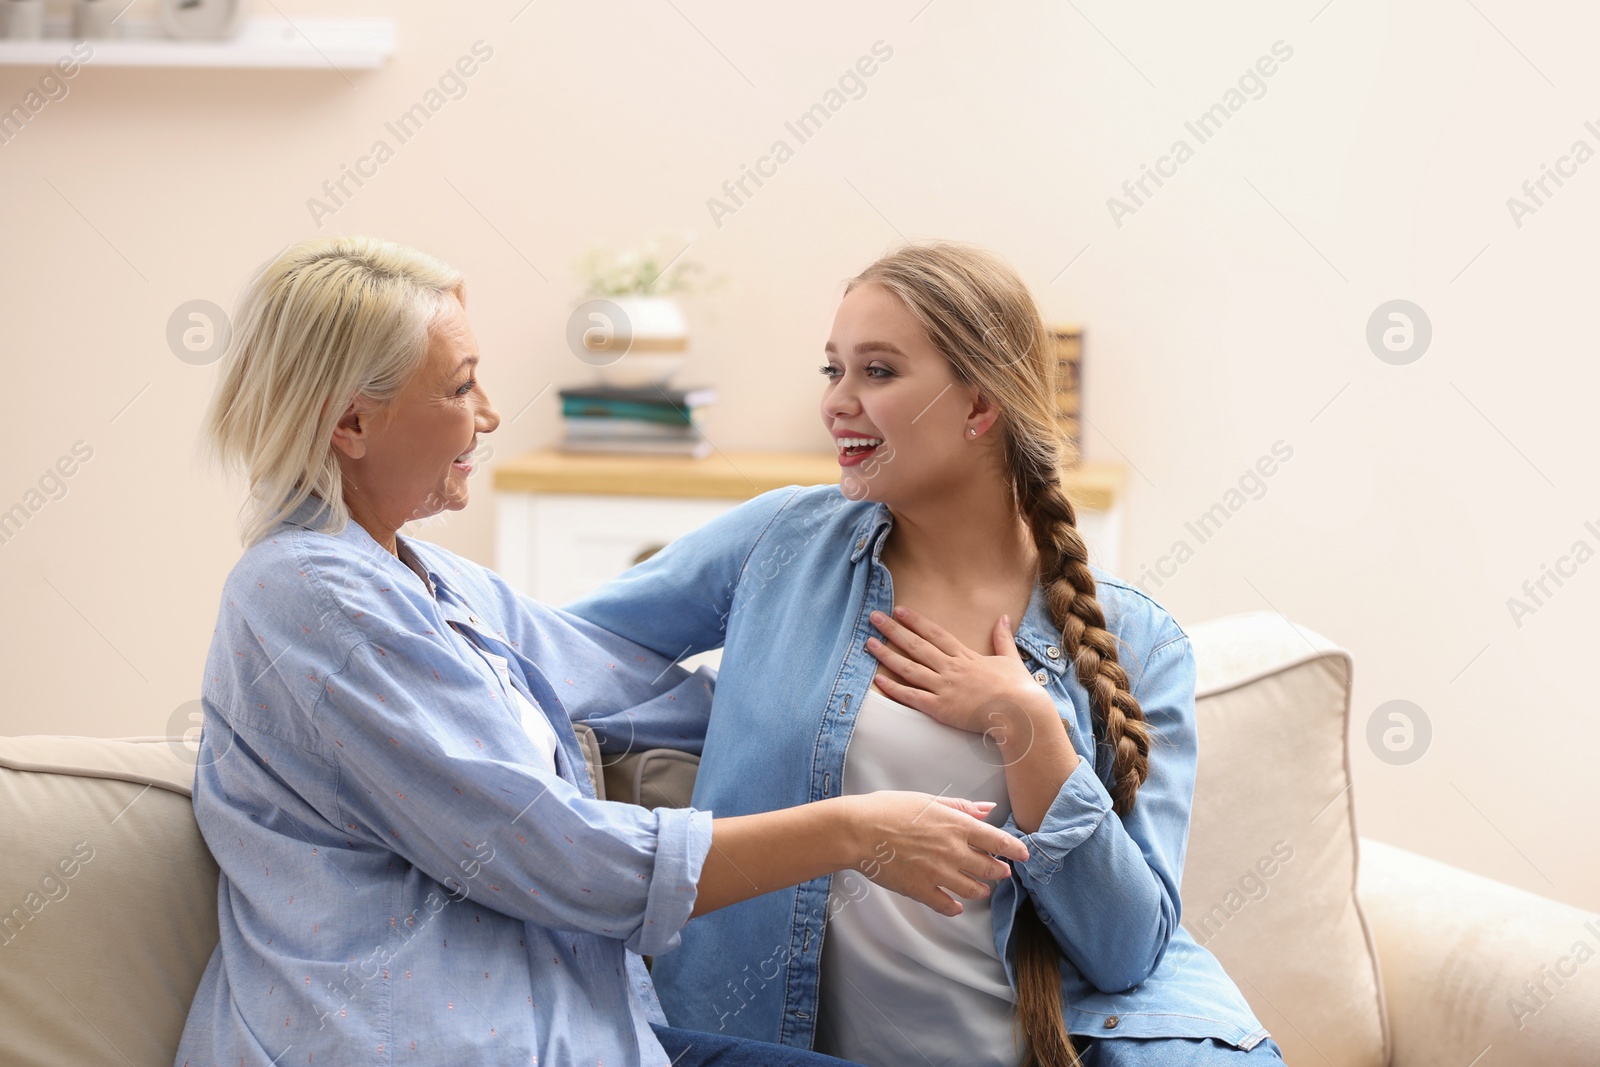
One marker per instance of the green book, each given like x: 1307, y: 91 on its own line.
x: 584, y: 407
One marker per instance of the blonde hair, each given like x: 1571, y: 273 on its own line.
x: 328, y: 318
x: 980, y: 316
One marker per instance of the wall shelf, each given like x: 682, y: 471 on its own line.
x: 304, y: 43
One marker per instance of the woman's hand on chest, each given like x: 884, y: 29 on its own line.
x: 927, y: 668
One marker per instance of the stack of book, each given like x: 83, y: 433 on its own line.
x: 652, y: 420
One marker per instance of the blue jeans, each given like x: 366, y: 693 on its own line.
x: 691, y: 1048
x: 1174, y: 1052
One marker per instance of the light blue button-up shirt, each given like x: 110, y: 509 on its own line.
x: 786, y: 583
x: 403, y: 879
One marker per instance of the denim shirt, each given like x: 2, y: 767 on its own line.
x: 402, y: 877
x: 786, y: 583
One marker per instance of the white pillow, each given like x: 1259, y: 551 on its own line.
x: 1269, y: 881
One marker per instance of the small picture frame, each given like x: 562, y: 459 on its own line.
x: 1065, y: 370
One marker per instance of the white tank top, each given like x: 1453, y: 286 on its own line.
x: 538, y: 728
x: 902, y: 984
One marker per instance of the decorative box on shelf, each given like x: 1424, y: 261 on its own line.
x: 1066, y: 373
x: 569, y: 523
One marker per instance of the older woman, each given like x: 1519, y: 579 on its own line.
x: 414, y: 867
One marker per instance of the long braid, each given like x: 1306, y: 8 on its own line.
x: 1070, y: 592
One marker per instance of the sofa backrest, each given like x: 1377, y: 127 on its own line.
x: 109, y: 899
x: 110, y: 894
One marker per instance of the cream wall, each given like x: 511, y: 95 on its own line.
x: 1225, y: 314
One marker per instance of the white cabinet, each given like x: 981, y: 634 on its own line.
x: 558, y: 546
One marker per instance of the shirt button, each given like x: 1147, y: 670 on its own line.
x: 473, y: 619
x: 1053, y: 652
x: 861, y: 544
x: 1040, y: 676
x: 1111, y: 1022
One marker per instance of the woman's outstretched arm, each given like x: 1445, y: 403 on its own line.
x: 911, y: 843
x: 678, y: 601
x: 420, y: 764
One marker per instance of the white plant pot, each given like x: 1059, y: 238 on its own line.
x: 656, y: 323
x: 652, y: 336
x: 24, y: 19
x: 92, y: 20
x: 202, y: 20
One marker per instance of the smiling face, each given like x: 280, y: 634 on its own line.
x: 410, y: 458
x: 900, y: 418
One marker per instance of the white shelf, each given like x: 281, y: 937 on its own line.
x: 304, y: 43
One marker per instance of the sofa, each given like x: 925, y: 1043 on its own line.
x: 1353, y: 953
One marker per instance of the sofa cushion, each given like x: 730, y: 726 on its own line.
x: 108, y: 900
x: 1269, y: 879
x: 654, y: 778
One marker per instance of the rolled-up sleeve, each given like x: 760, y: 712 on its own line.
x: 1107, y: 885
x: 433, y: 769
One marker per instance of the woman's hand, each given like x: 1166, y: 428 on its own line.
x: 920, y: 845
x: 928, y: 669
x: 911, y: 843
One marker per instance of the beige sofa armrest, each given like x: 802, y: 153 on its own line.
x: 652, y: 778
x: 1455, y: 950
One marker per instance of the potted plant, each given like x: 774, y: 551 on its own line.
x: 631, y: 326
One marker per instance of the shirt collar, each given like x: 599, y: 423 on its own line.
x: 1038, y: 635
x: 311, y: 512
x: 429, y: 578
x: 868, y: 530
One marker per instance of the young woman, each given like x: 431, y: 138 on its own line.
x: 1047, y: 686
x: 413, y: 865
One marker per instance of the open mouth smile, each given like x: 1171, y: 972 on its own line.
x: 853, y: 450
